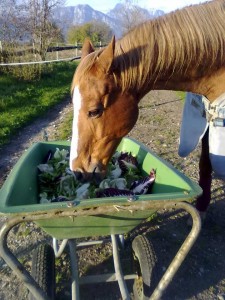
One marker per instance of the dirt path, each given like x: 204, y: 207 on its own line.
x: 34, y: 132
x: 202, y: 275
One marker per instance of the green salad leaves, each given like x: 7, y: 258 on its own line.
x: 58, y: 183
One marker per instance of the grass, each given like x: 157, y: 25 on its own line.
x: 22, y: 101
x: 181, y: 95
x: 64, y: 131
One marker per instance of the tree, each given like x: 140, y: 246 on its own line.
x: 30, y: 21
x: 9, y: 21
x: 40, y: 24
x: 10, y: 29
x: 101, y: 31
x: 96, y: 31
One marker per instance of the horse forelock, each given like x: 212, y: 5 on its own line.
x: 84, y: 68
x: 188, y: 41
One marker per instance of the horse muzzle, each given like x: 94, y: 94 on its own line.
x: 95, y: 173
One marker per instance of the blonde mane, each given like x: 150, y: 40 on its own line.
x: 190, y: 41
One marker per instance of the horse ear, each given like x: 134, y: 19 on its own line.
x: 87, y: 48
x: 105, y: 59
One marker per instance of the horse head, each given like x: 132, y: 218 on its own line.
x: 103, y: 112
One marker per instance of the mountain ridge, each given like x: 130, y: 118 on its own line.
x: 68, y: 16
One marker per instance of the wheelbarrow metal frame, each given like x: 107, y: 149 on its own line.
x: 37, y: 292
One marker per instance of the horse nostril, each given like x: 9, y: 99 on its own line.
x: 96, y: 175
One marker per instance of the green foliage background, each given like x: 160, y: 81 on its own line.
x: 95, y: 31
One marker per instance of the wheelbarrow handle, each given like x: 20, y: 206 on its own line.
x: 182, y: 252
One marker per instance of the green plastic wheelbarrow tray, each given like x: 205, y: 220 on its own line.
x: 19, y: 202
x: 96, y: 216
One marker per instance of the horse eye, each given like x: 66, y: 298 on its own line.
x: 95, y: 113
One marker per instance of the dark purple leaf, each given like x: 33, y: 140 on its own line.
x: 113, y: 192
x: 128, y: 158
x: 143, y: 185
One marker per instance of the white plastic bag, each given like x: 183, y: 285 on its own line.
x: 194, y: 124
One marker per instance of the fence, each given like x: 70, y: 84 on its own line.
x: 53, y: 49
x: 39, y: 62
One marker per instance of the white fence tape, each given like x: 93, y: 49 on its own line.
x: 40, y: 62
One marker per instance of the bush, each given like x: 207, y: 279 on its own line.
x: 17, y: 54
x: 26, y: 72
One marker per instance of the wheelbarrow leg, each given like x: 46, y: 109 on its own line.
x: 73, y: 261
x: 183, y: 251
x: 74, y: 269
x: 59, y: 250
x: 118, y: 269
x: 15, y: 265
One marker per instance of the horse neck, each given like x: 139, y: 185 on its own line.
x: 211, y: 85
x: 159, y: 54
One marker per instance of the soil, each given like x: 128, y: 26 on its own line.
x: 202, y: 274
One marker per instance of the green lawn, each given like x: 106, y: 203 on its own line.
x: 21, y: 101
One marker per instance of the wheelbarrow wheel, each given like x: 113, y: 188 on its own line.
x: 144, y: 259
x: 43, y: 270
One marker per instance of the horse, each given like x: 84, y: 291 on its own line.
x: 183, y: 50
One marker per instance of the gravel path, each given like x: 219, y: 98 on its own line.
x: 202, y: 275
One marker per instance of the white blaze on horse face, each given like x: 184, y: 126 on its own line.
x: 77, y: 99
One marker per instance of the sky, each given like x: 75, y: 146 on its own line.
x: 106, y: 5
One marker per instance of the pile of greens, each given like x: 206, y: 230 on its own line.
x: 58, y: 183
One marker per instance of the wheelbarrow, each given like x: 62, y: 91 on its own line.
x: 111, y: 216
